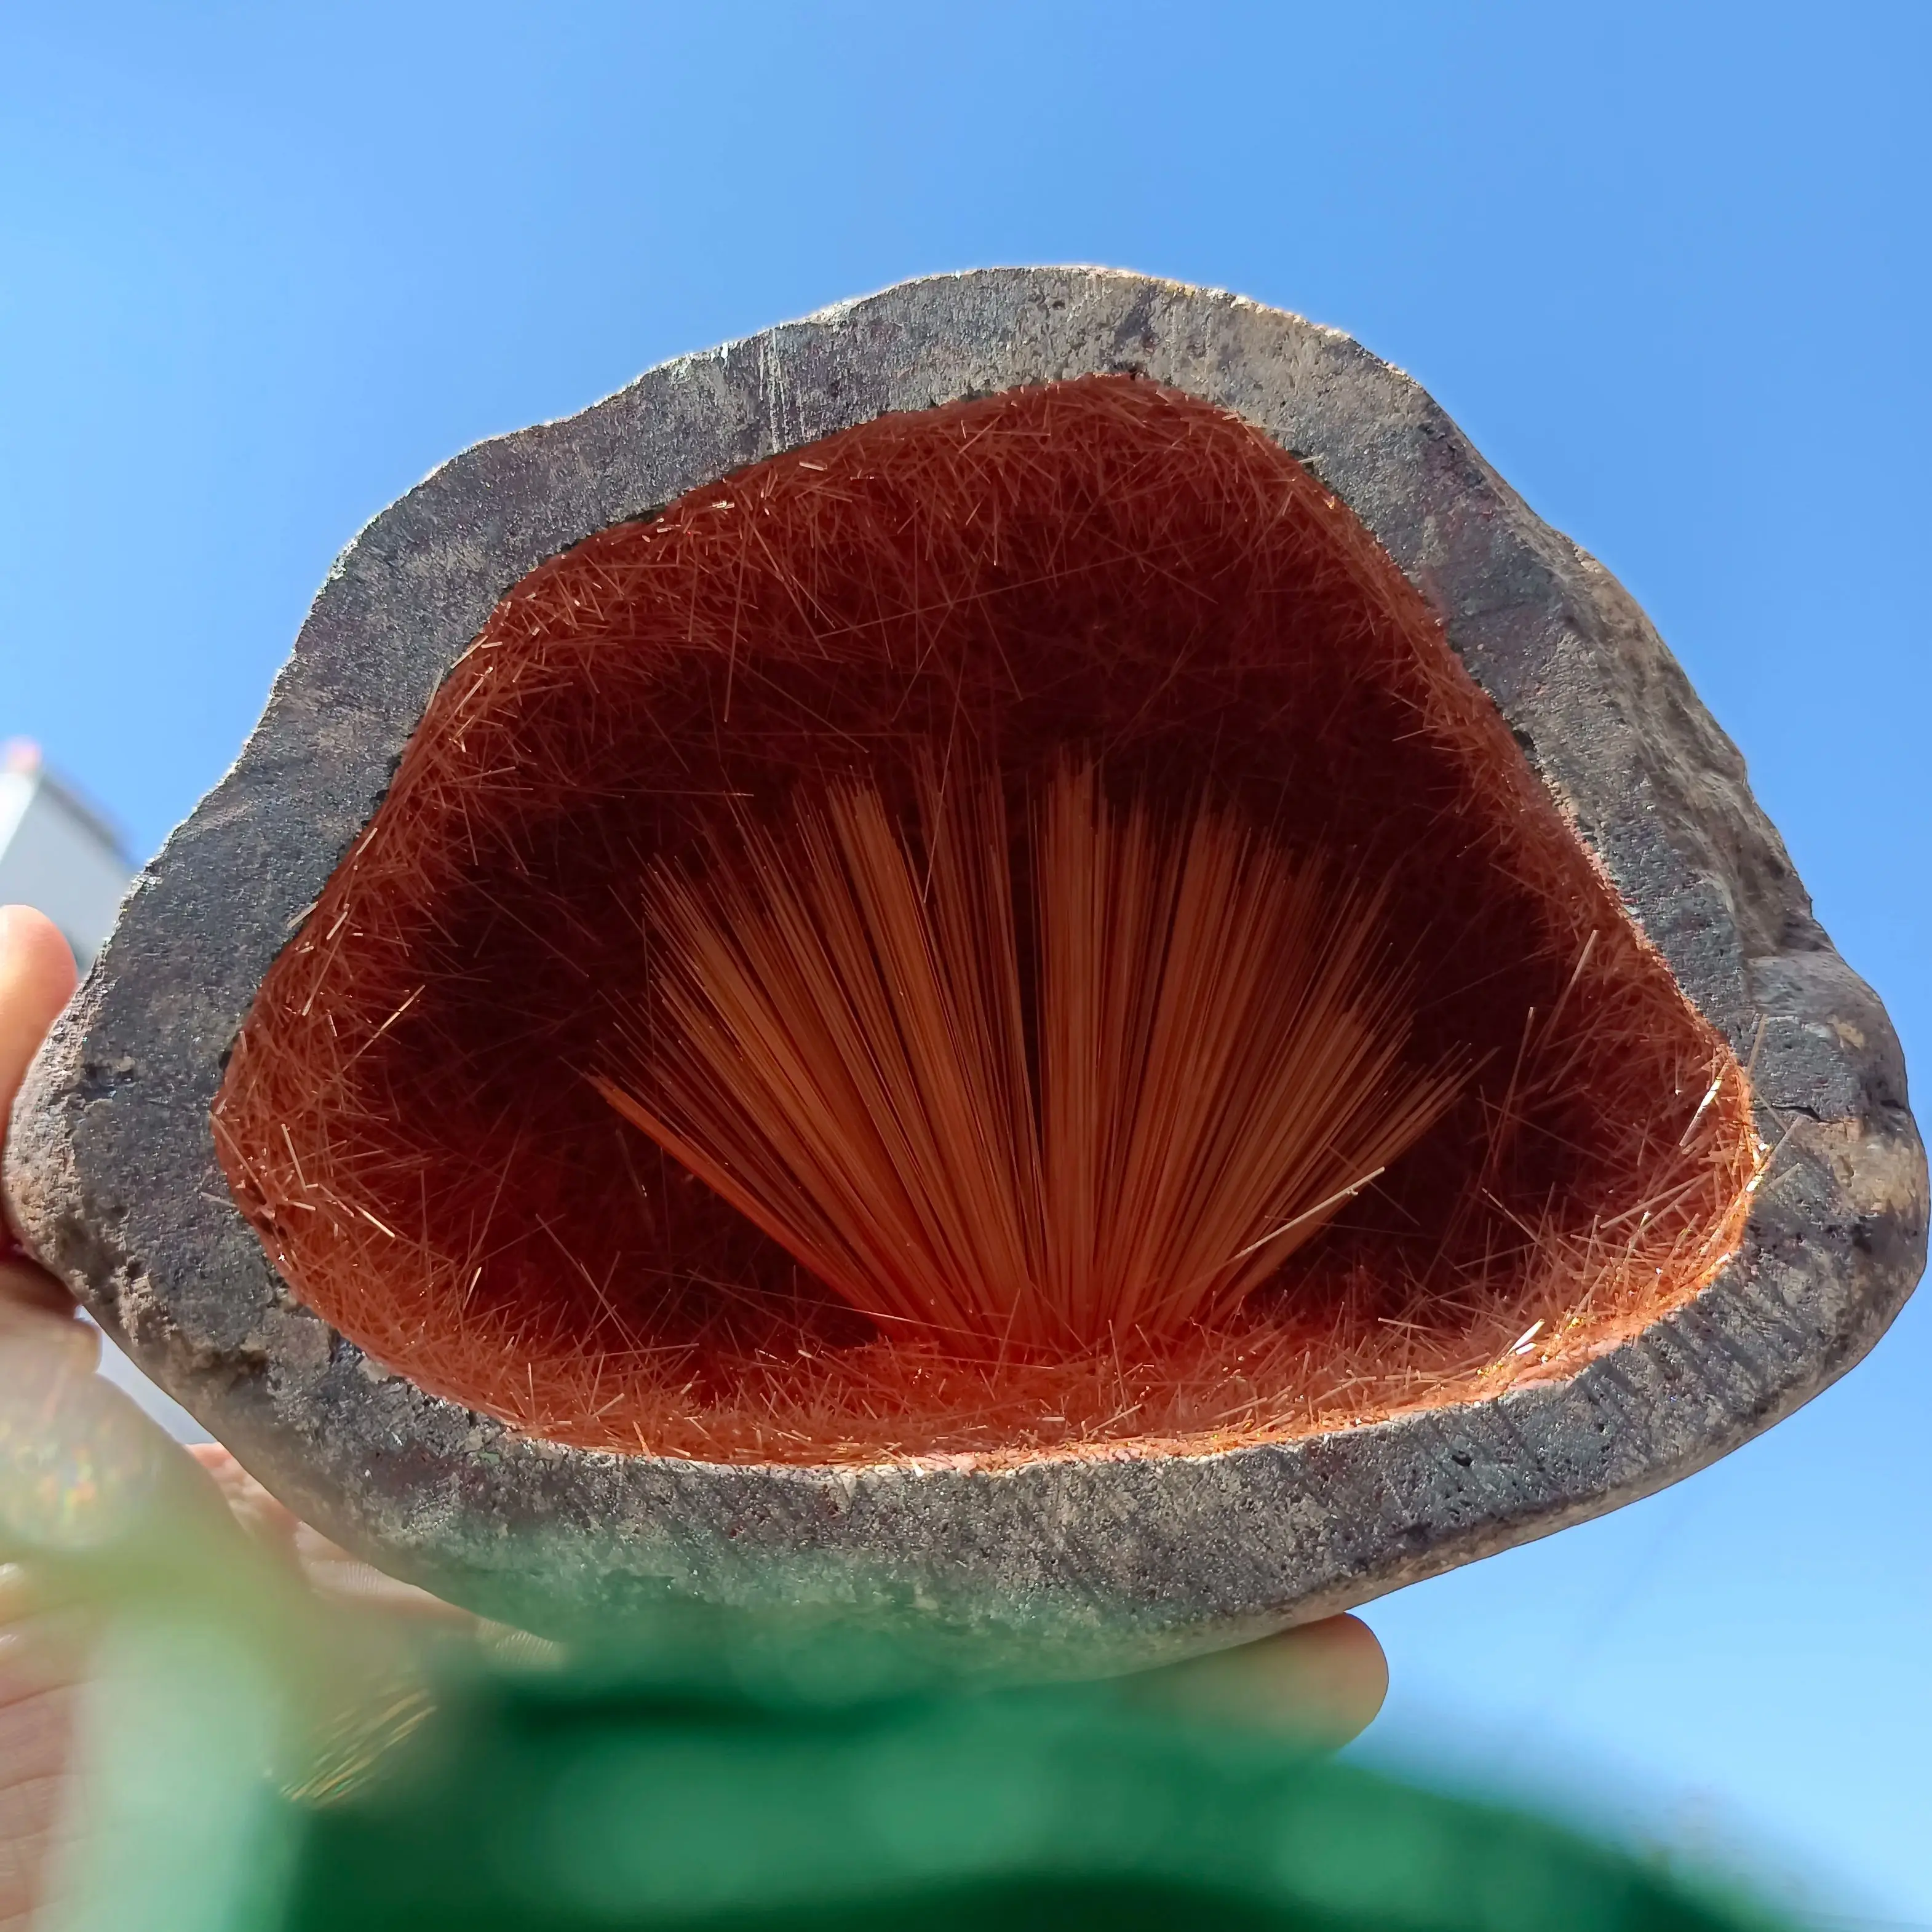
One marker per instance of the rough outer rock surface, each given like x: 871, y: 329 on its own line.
x: 1081, y: 1564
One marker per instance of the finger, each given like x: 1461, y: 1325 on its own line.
x: 36, y: 978
x: 83, y: 1471
x: 1321, y: 1683
x: 38, y: 1696
x: 36, y: 1310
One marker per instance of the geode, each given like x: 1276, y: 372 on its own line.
x: 370, y: 971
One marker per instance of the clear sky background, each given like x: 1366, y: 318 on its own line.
x: 262, y: 267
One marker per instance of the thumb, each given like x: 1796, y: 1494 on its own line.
x: 36, y: 977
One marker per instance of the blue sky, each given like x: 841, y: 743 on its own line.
x: 261, y: 268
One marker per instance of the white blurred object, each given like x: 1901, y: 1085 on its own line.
x: 56, y: 853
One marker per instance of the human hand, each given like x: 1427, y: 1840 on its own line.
x: 62, y: 1425
x: 1323, y: 1682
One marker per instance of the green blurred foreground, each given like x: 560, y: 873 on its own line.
x: 578, y: 1803
x: 255, y: 1759
x: 678, y: 1792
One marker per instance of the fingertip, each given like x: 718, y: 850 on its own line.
x: 1322, y: 1684
x: 37, y: 979
x: 35, y: 951
x: 1358, y: 1667
x: 1326, y: 1680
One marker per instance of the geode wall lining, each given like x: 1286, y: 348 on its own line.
x: 113, y: 1177
x: 411, y: 1116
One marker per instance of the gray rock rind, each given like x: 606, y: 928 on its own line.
x: 1084, y: 1564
